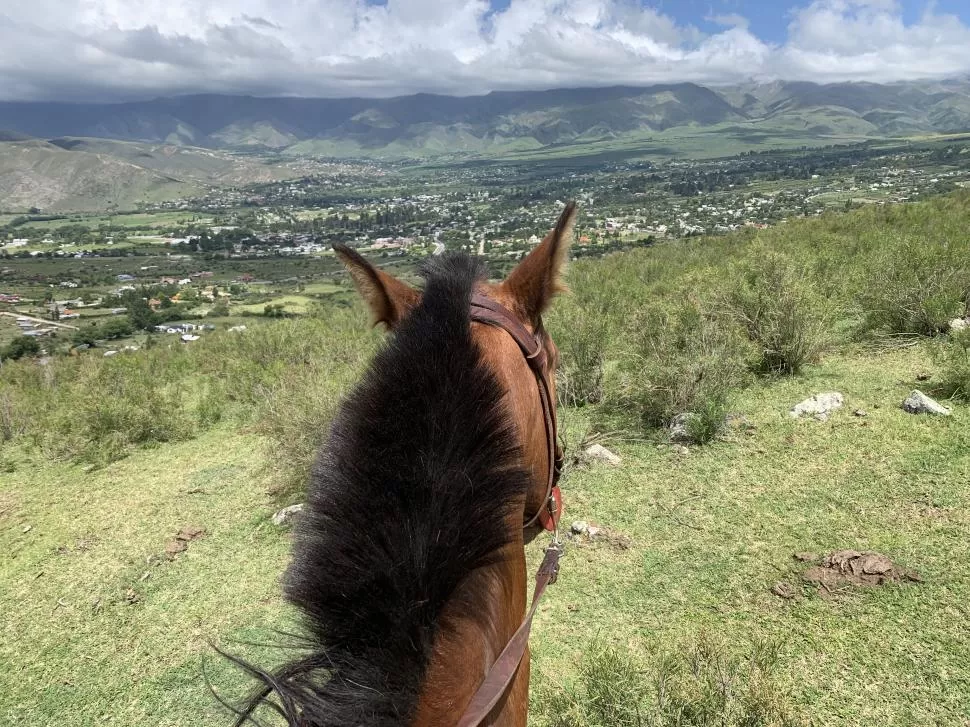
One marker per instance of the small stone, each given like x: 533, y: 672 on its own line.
x: 287, y: 514
x: 679, y: 428
x: 27, y: 528
x: 959, y: 324
x: 819, y: 405
x: 681, y: 450
x: 579, y: 527
x: 602, y: 454
x: 860, y: 413
x: 919, y: 403
x: 923, y: 376
x: 783, y: 589
x: 593, y: 531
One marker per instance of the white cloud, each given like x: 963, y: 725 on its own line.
x: 83, y: 49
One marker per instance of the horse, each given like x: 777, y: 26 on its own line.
x: 408, y: 564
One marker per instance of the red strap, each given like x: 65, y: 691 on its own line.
x: 503, y: 670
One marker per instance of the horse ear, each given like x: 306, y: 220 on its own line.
x: 535, y: 280
x: 389, y: 299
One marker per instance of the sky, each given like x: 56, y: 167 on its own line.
x: 109, y: 50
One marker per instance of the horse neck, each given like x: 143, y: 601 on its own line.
x: 481, y: 619
x: 486, y: 611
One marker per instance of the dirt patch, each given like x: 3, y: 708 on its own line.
x: 844, y: 568
x: 180, y: 543
x: 582, y: 533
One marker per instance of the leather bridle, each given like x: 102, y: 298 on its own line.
x: 502, y: 672
x: 486, y: 310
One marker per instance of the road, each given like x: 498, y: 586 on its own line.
x: 38, y: 320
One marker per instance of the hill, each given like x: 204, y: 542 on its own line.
x: 72, y: 174
x: 498, y: 122
x: 104, y: 461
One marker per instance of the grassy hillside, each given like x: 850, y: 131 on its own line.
x: 69, y: 174
x: 104, y: 460
x: 43, y: 175
x: 431, y: 125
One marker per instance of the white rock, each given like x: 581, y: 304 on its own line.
x: 679, y: 427
x: 579, y: 527
x: 602, y: 454
x: 919, y: 403
x: 818, y: 406
x: 959, y: 324
x: 287, y: 514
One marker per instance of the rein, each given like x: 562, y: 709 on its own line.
x: 500, y: 675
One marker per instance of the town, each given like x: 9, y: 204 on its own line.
x: 88, y: 283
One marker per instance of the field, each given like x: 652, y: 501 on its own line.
x: 108, y: 631
x: 111, y: 619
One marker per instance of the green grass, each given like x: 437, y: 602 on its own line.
x: 290, y: 303
x: 84, y: 654
x: 712, y: 531
x: 136, y: 220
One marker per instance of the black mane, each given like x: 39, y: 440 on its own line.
x: 410, y: 495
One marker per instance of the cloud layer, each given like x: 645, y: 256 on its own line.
x: 121, y: 49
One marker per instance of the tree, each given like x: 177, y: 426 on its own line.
x: 220, y: 309
x: 19, y: 347
x: 141, y: 315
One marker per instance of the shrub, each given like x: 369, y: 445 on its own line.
x: 288, y: 377
x: 105, y: 406
x: 915, y: 284
x: 581, y: 324
x: 953, y: 356
x: 20, y: 347
x: 700, y: 683
x: 775, y: 301
x: 682, y: 359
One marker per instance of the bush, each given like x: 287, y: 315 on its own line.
x: 953, y: 356
x: 288, y: 376
x: 916, y: 285
x: 776, y: 302
x: 103, y: 407
x: 582, y: 323
x: 684, y: 359
x: 701, y: 683
x: 20, y: 347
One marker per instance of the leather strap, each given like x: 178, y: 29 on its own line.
x: 486, y: 310
x: 503, y: 670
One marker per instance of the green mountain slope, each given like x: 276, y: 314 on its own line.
x: 426, y: 124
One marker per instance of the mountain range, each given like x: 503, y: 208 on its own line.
x: 427, y: 123
x: 57, y: 155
